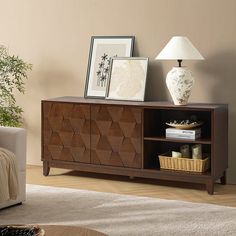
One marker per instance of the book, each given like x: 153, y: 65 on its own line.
x: 183, y: 134
x: 191, y: 137
x: 183, y: 131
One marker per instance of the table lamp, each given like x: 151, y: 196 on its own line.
x: 179, y: 80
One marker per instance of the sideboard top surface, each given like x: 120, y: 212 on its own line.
x: 148, y: 104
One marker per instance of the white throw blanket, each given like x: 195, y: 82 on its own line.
x: 9, y: 187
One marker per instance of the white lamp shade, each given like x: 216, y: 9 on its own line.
x: 179, y: 48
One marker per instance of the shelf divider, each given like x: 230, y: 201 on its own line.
x: 164, y: 139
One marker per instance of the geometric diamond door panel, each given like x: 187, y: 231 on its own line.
x: 66, y: 132
x: 116, y: 136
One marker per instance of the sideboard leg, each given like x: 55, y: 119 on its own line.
x: 46, y: 168
x: 223, y: 178
x: 210, y: 187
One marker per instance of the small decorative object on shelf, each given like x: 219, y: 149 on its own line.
x: 21, y: 230
x: 180, y: 79
x: 197, y: 151
x: 184, y: 124
x: 185, y: 151
x: 176, y: 154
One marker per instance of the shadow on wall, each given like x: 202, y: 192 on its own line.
x: 220, y: 68
x: 155, y: 87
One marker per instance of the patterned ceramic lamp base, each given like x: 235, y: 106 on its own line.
x: 180, y: 81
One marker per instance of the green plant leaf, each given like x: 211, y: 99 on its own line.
x: 13, y: 73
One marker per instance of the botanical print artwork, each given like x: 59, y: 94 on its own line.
x: 128, y: 79
x: 102, y: 63
x: 102, y: 48
x: 102, y: 73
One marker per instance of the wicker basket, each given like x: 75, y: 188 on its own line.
x: 184, y: 164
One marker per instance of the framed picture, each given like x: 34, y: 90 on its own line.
x: 102, y: 48
x: 127, y: 78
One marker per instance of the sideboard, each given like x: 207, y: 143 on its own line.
x: 125, y: 138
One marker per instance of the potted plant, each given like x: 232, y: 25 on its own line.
x: 13, y: 73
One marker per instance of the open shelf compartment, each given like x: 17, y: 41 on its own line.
x: 153, y: 149
x: 155, y: 123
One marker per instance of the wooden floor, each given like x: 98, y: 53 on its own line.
x: 224, y: 194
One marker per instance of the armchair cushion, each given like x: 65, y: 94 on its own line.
x: 14, y: 139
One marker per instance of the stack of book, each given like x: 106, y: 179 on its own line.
x: 183, y: 133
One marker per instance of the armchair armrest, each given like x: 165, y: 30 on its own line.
x: 14, y: 139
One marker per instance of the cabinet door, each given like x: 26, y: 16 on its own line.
x: 116, y: 136
x: 66, y: 132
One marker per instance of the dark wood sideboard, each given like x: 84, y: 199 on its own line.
x: 125, y: 138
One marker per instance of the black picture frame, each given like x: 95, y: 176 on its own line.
x: 121, y: 46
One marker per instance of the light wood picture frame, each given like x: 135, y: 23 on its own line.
x: 127, y: 78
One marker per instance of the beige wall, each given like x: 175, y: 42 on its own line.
x: 54, y: 35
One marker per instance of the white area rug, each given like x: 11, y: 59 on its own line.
x: 116, y: 214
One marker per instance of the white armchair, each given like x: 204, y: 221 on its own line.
x: 14, y: 139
